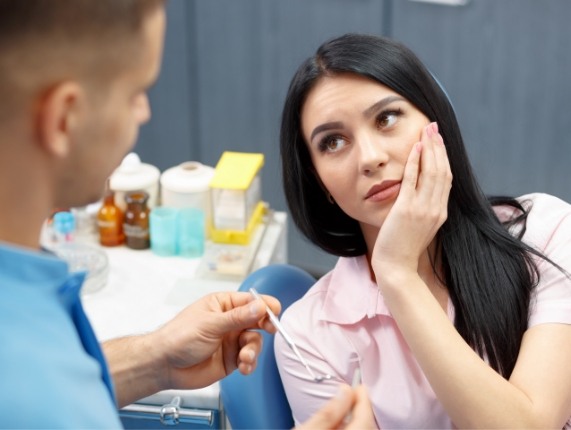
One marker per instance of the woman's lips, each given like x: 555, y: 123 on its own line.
x: 384, y: 191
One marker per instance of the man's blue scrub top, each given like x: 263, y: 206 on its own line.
x: 52, y: 370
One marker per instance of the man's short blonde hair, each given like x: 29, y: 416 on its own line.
x: 59, y: 39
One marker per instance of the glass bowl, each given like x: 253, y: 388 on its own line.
x: 86, y: 258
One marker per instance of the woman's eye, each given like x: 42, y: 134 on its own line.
x: 387, y: 119
x: 331, y: 143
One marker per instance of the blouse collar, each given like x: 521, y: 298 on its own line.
x: 343, y: 305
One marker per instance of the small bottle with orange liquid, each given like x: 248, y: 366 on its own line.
x: 110, y: 220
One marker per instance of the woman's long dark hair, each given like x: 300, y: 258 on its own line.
x: 488, y: 272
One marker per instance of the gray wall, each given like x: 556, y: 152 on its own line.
x: 506, y: 65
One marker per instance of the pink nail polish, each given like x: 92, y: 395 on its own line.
x: 434, y: 127
x: 429, y: 131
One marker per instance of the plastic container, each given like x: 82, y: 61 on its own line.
x: 186, y: 186
x: 235, y: 195
x: 133, y: 175
x: 191, y: 232
x: 86, y: 222
x: 64, y: 227
x: 85, y: 258
x: 163, y: 230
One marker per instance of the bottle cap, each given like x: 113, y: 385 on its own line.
x: 188, y: 177
x: 64, y: 222
x: 139, y: 197
x: 132, y: 174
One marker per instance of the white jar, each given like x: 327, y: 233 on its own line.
x: 133, y: 175
x: 187, y: 185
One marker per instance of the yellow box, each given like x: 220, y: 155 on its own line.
x: 236, y: 197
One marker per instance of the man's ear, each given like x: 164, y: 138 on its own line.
x: 58, y: 114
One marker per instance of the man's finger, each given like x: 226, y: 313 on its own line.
x: 244, y: 317
x: 250, y: 343
x: 243, y: 312
x: 333, y: 413
x: 362, y: 416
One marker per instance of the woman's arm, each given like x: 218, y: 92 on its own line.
x: 538, y: 394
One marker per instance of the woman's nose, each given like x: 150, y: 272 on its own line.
x: 372, y: 154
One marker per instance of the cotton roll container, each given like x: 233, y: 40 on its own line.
x: 134, y: 175
x: 187, y: 186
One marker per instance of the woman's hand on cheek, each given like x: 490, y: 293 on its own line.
x: 419, y: 210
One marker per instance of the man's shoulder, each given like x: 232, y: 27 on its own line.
x: 44, y: 367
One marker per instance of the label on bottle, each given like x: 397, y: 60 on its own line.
x: 135, y: 231
x: 107, y: 224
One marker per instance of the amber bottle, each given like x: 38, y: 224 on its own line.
x: 136, y: 223
x: 110, y: 221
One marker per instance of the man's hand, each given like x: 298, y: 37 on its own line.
x: 350, y: 410
x: 212, y: 337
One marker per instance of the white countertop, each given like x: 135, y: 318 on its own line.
x: 144, y: 291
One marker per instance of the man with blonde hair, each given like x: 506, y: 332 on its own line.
x: 73, y: 79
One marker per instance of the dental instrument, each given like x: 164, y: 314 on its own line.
x: 276, y: 322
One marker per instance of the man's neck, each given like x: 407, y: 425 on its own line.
x: 25, y: 198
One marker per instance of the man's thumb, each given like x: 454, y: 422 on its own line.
x: 244, y: 317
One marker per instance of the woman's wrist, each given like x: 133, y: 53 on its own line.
x: 391, y: 277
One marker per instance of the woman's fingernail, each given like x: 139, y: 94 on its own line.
x: 429, y: 130
x: 434, y: 127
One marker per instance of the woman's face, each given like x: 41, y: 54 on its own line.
x: 359, y: 134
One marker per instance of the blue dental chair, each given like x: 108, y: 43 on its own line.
x: 258, y: 401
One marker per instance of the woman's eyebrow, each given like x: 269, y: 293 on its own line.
x: 325, y: 126
x: 370, y: 111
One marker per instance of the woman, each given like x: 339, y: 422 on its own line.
x: 455, y: 308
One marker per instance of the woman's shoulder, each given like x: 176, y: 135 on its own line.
x: 547, y: 214
x: 538, y: 205
x: 543, y: 203
x: 549, y: 218
x: 346, y: 270
x: 548, y: 229
x: 311, y: 300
